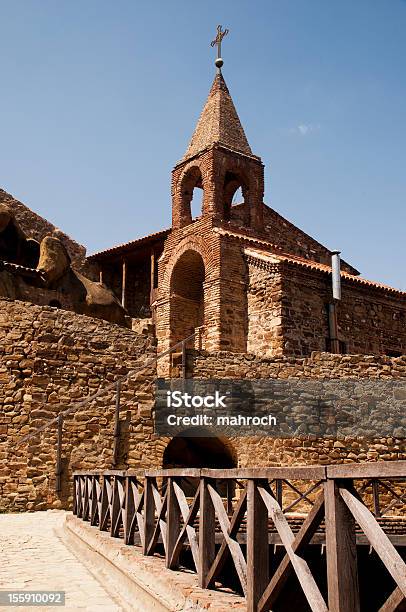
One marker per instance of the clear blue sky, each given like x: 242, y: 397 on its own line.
x: 99, y: 99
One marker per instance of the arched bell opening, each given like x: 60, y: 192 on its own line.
x: 235, y: 198
x: 192, y: 194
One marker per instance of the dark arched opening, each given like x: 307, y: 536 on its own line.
x: 192, y: 202
x: 187, y: 296
x: 235, y: 190
x: 200, y: 451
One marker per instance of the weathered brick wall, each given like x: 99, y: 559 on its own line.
x: 269, y: 308
x: 264, y: 303
x: 198, y: 238
x: 288, y: 237
x: 370, y: 320
x: 213, y: 170
x: 225, y: 297
x: 295, y: 241
x: 233, y: 298
x: 50, y: 359
x: 304, y: 317
x: 263, y: 451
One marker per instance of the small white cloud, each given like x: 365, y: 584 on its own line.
x: 305, y: 128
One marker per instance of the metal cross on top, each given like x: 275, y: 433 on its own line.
x: 217, y: 41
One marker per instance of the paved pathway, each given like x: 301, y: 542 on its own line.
x: 34, y: 557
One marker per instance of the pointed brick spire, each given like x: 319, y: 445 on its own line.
x: 218, y: 123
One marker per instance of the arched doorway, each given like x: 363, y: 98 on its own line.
x: 187, y: 296
x: 200, y: 452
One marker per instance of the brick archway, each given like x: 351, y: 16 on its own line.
x: 232, y: 182
x: 191, y: 177
x: 187, y: 301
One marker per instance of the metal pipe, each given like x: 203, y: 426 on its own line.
x: 336, y: 274
x: 124, y: 284
x: 333, y: 328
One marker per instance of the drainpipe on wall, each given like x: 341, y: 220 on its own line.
x: 332, y: 307
x: 124, y: 284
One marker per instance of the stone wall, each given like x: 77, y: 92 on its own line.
x: 264, y: 451
x: 49, y: 360
x: 264, y: 303
x: 371, y: 320
x: 52, y: 359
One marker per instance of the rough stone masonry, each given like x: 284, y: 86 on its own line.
x: 50, y: 359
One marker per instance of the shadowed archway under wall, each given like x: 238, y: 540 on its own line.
x: 186, y: 295
x: 199, y: 452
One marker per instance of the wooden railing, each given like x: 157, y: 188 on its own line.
x: 218, y: 517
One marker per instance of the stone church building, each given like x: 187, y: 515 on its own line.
x: 247, y: 278
x: 251, y: 291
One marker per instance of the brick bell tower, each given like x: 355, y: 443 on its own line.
x: 202, y: 275
x: 218, y: 160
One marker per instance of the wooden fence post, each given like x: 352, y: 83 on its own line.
x: 207, y: 531
x: 94, y: 501
x: 341, y: 552
x: 279, y: 492
x: 104, y: 504
x: 115, y: 508
x: 173, y: 522
x: 375, y: 492
x: 257, y: 545
x: 129, y: 511
x: 149, y: 513
x: 76, y: 489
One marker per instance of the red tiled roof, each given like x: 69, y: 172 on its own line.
x: 313, y: 265
x: 246, y: 237
x: 260, y: 253
x: 128, y: 246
